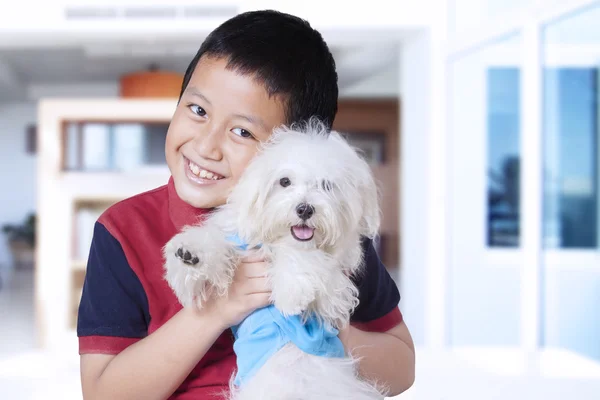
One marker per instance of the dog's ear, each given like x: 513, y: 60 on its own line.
x: 366, y: 186
x: 371, y: 218
x: 248, y: 197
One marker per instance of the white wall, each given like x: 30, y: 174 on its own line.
x: 18, y: 168
x: 18, y: 177
x: 415, y: 168
x: 384, y: 84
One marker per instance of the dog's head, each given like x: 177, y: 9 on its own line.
x: 307, y: 187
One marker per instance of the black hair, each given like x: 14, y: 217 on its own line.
x: 285, y: 54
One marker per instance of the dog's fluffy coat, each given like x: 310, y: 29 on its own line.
x: 299, y: 165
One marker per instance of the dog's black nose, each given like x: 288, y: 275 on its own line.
x: 305, y: 211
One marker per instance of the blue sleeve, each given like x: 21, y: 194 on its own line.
x: 378, y: 294
x: 113, y: 301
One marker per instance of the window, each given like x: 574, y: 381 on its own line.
x: 98, y: 146
x: 570, y: 260
x: 485, y: 147
x: 503, y: 133
x: 571, y: 56
x: 486, y: 128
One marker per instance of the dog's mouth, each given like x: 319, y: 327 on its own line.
x: 303, y: 233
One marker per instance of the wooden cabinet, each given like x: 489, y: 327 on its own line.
x: 91, y: 154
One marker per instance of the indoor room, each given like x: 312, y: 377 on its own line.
x: 477, y: 118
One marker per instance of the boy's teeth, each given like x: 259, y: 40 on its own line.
x: 196, y: 170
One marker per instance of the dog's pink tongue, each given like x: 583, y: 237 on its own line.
x: 303, y: 232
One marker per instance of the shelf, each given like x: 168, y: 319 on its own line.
x: 83, y: 169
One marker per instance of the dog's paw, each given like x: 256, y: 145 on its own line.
x: 186, y: 256
x: 293, y: 299
x: 289, y: 308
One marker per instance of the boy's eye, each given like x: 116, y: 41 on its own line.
x: 198, y: 110
x: 242, y: 132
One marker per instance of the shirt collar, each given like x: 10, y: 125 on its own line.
x: 180, y: 212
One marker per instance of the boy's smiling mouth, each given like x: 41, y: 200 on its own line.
x: 199, y: 174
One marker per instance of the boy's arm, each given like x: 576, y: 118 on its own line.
x: 377, y: 333
x: 385, y: 357
x: 154, y: 367
x: 119, y: 360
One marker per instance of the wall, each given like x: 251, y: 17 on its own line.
x: 18, y: 174
x: 21, y: 177
x: 385, y: 84
x: 415, y: 168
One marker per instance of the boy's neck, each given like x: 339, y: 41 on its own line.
x: 180, y: 212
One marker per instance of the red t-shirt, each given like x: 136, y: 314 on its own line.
x: 125, y: 297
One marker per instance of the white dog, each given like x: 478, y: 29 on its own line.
x: 304, y: 201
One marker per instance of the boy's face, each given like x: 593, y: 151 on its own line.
x: 215, y: 131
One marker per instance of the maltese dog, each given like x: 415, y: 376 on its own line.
x: 304, y: 202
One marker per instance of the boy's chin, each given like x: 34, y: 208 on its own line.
x: 200, y: 197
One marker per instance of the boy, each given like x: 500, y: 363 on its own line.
x: 253, y: 73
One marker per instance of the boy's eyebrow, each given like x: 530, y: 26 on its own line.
x: 253, y: 120
x: 195, y: 92
x: 192, y: 91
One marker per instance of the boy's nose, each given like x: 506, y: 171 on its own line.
x: 208, y: 145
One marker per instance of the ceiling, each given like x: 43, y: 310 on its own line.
x: 106, y: 62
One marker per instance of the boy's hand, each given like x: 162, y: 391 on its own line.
x: 250, y: 290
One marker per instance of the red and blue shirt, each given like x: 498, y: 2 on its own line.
x: 125, y: 297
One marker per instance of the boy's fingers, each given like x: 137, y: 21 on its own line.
x: 259, y: 300
x: 253, y: 270
x: 253, y: 257
x: 258, y: 285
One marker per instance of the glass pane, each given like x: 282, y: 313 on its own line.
x: 485, y: 145
x: 570, y: 165
x: 72, y: 147
x: 571, y: 261
x: 96, y: 146
x: 503, y: 133
x: 155, y: 144
x: 128, y: 146
x: 114, y: 146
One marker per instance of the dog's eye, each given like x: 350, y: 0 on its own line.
x: 285, y: 182
x: 327, y: 186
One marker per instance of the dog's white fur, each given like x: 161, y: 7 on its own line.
x: 306, y: 276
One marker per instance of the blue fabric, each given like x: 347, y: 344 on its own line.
x: 238, y: 242
x: 266, y: 331
x: 113, y: 301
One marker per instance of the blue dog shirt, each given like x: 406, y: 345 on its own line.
x: 266, y: 331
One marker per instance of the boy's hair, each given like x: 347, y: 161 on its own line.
x: 285, y: 54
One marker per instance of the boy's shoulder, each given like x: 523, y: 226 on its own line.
x: 136, y: 211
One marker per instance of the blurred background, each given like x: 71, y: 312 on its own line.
x: 480, y: 119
